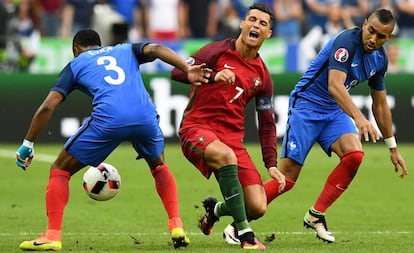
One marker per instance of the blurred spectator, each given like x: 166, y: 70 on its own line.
x: 76, y: 15
x: 198, y: 18
x: 242, y: 6
x: 22, y: 40
x: 229, y: 21
x: 4, y: 19
x: 234, y: 12
x: 318, y: 36
x: 49, y: 12
x: 316, y: 11
x: 405, y: 18
x: 106, y: 21
x: 133, y: 13
x: 288, y: 15
x: 161, y: 19
x: 355, y: 12
x: 393, y: 56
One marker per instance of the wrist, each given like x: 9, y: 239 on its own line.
x: 390, y: 142
x: 28, y: 143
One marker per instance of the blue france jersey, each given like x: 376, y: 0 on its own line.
x: 344, y: 52
x: 111, y: 76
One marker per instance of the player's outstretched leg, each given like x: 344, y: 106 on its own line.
x: 316, y: 221
x: 179, y: 238
x: 230, y: 234
x: 206, y: 222
x: 46, y: 242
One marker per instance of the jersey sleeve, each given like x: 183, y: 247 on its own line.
x: 208, y: 54
x: 267, y: 136
x: 137, y: 48
x: 377, y: 81
x: 65, y: 82
x: 342, y: 48
x: 267, y: 126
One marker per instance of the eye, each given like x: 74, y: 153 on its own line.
x: 263, y: 23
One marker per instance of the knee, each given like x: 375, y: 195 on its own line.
x: 220, y: 157
x: 353, y: 159
x: 256, y: 212
x: 227, y: 156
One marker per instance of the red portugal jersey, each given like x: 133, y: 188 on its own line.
x: 221, y: 105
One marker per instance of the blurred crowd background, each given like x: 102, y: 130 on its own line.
x: 302, y: 26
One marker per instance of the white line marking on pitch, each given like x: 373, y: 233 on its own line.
x: 199, y: 233
x: 38, y: 157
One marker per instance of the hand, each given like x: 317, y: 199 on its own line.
x: 397, y: 160
x: 227, y: 76
x: 279, y: 177
x: 367, y: 130
x: 24, y: 155
x: 198, y: 74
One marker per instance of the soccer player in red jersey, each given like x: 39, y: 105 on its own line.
x: 212, y: 128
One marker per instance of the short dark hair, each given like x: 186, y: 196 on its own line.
x: 86, y: 38
x: 384, y: 16
x: 264, y: 8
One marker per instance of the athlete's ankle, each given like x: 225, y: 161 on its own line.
x: 54, y: 234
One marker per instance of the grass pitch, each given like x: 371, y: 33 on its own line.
x: 374, y: 215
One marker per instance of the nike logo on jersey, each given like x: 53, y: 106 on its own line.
x: 353, y: 65
x: 226, y: 66
x: 372, y: 72
x: 231, y: 196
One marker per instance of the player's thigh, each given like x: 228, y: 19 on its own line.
x: 340, y: 135
x: 91, y: 144
x: 67, y: 162
x: 148, y: 141
x: 248, y: 173
x: 193, y: 143
x: 302, y: 130
x: 346, y: 143
x: 251, y: 181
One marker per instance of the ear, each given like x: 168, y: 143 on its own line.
x: 76, y: 50
x: 269, y: 34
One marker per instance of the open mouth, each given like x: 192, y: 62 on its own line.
x: 254, y: 34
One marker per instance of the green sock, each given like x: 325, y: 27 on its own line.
x: 233, y: 195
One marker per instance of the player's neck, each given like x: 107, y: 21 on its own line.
x: 246, y: 52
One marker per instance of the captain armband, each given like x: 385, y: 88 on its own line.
x: 263, y: 103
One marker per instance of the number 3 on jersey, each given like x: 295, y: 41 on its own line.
x: 110, y: 64
x: 240, y: 91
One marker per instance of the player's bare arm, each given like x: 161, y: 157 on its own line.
x: 383, y: 117
x: 39, y: 121
x: 382, y: 112
x: 43, y: 114
x: 196, y: 74
x: 337, y: 89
